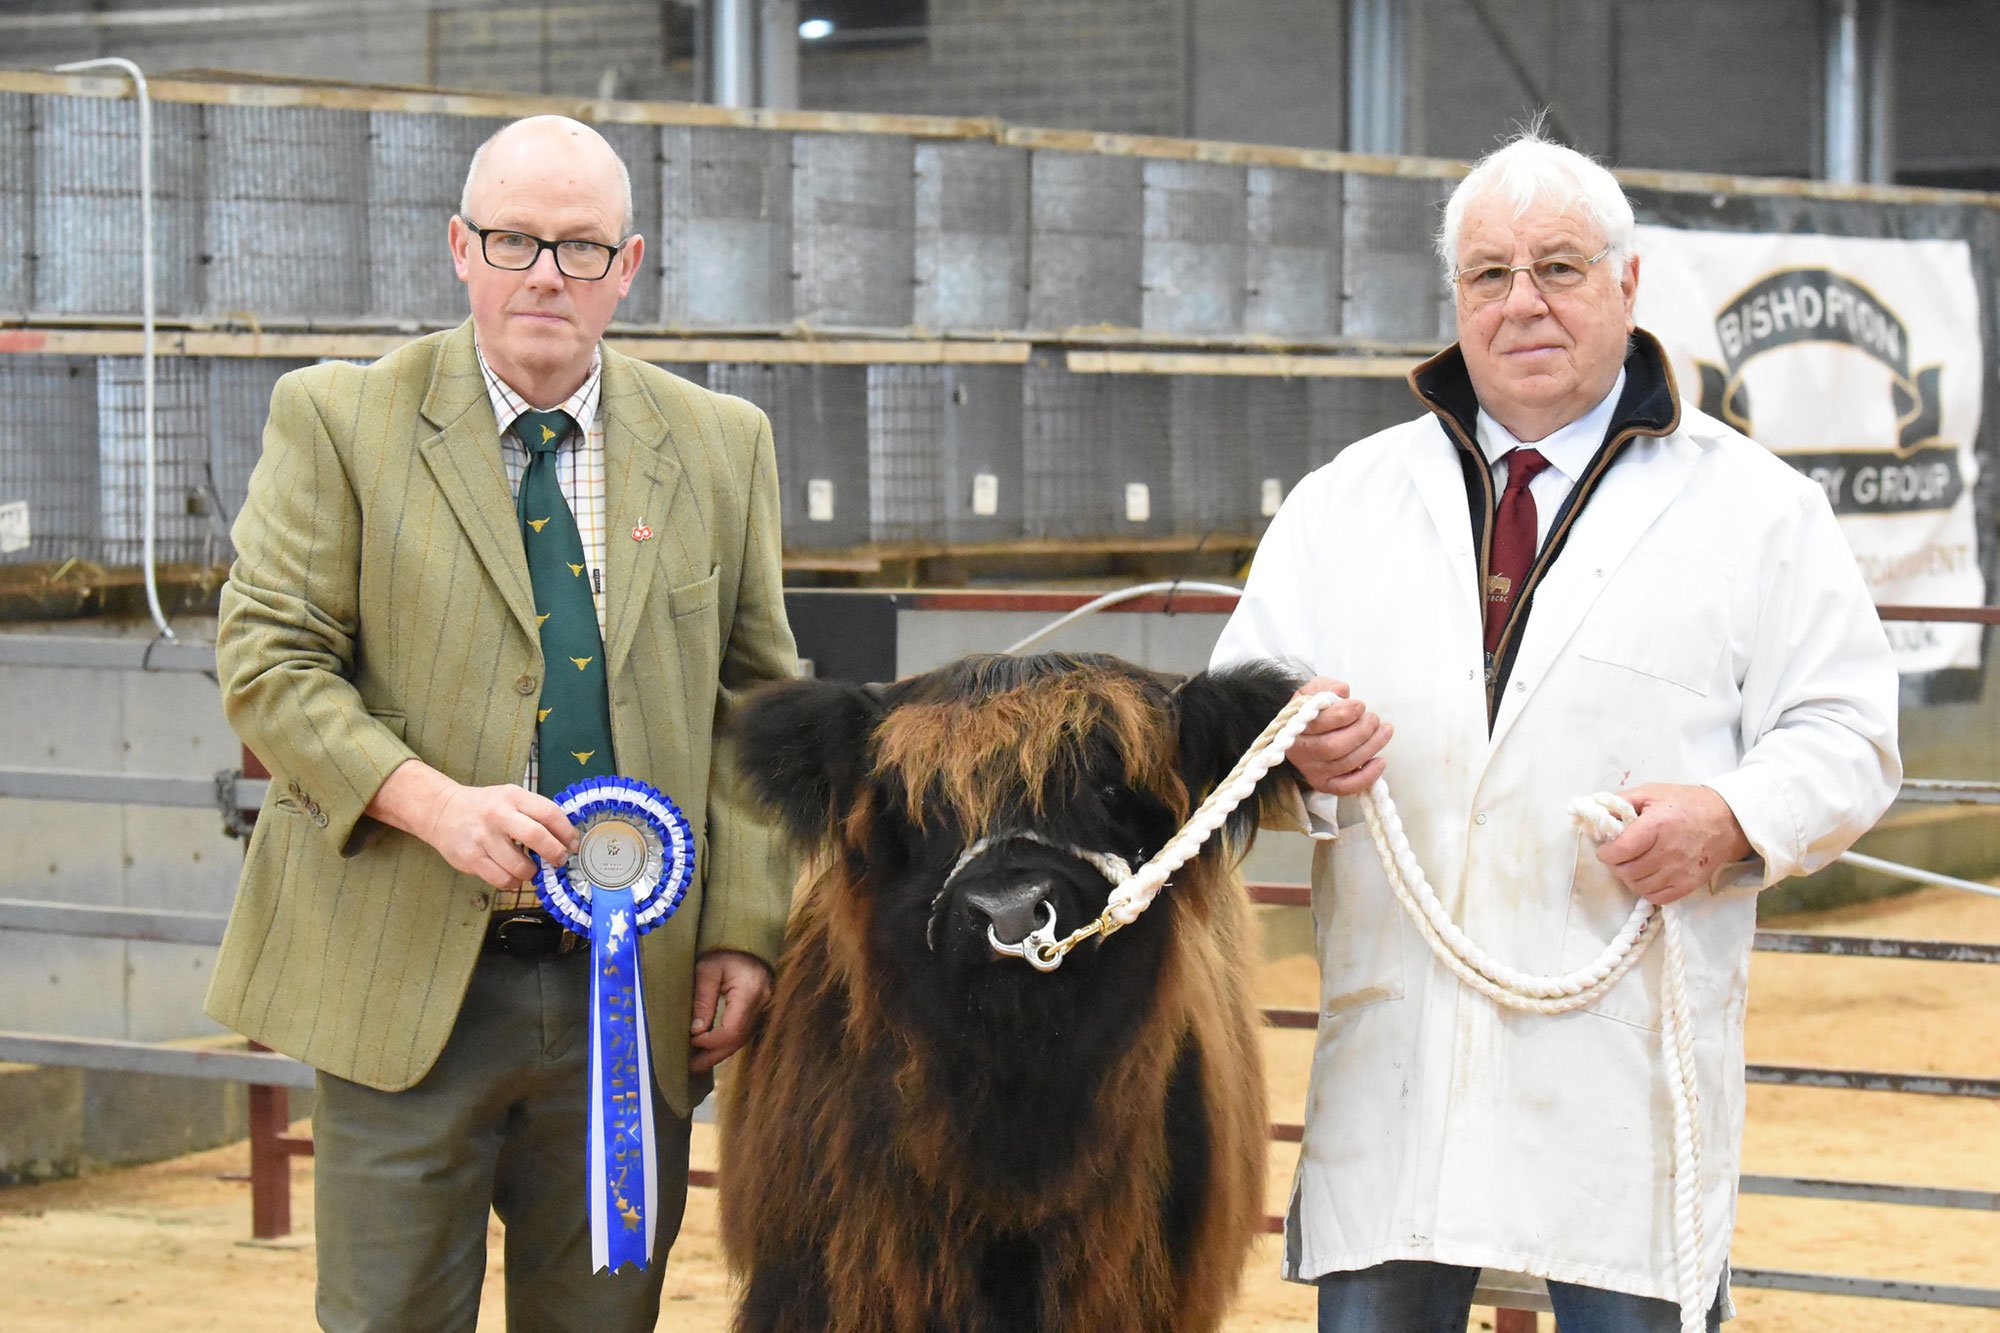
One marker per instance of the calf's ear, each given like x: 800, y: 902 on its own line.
x: 1221, y: 713
x: 803, y: 747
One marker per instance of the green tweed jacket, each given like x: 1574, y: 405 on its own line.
x: 379, y: 609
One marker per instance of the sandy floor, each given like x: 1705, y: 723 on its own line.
x: 162, y: 1248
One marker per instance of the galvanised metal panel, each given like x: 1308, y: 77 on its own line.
x: 638, y: 146
x: 1140, y: 491
x: 982, y: 453
x: 287, y: 212
x: 1389, y: 269
x: 1063, y: 432
x: 819, y: 421
x: 1193, y: 258
x: 1347, y: 409
x: 1214, y: 486
x: 972, y: 236
x: 87, y: 213
x: 1292, y: 255
x: 853, y: 229
x: 724, y: 232
x: 48, y: 414
x: 416, y: 170
x: 694, y: 372
x: 1278, y: 430
x: 186, y: 527
x: 239, y: 403
x: 1086, y: 241
x: 906, y: 427
x: 17, y: 203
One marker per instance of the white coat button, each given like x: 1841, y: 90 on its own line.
x: 1520, y: 687
x: 1479, y: 819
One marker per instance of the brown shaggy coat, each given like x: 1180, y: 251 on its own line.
x: 898, y: 1169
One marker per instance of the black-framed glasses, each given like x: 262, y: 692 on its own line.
x: 586, y: 261
x: 1482, y: 283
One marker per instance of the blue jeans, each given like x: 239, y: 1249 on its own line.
x: 1407, y: 1296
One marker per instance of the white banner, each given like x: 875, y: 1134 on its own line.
x: 1858, y: 362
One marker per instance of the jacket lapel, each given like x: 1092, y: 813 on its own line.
x: 1435, y: 471
x: 1622, y: 509
x: 642, y: 483
x: 464, y: 457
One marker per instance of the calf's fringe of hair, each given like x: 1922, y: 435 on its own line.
x: 961, y: 754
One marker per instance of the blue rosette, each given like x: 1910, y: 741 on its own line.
x: 632, y: 867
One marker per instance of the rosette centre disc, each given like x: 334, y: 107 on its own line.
x: 613, y: 853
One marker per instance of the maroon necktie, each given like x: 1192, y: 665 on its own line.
x: 1513, y: 541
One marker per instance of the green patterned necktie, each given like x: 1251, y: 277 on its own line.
x: 573, y: 725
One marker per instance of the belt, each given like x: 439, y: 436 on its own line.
x: 530, y: 934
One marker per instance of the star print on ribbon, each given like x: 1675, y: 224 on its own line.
x: 632, y: 867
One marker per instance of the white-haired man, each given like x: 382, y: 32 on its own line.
x: 1556, y: 581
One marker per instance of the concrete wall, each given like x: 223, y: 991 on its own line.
x: 524, y: 46
x: 1712, y: 85
x: 127, y: 856
x: 1101, y: 65
x: 1267, y: 71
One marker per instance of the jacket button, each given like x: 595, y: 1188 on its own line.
x: 481, y: 900
x: 524, y: 685
x: 1479, y: 819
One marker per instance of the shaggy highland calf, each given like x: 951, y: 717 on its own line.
x: 928, y: 1136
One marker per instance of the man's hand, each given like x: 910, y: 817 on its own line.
x: 742, y: 984
x: 1682, y: 836
x: 483, y: 831
x: 1340, y: 751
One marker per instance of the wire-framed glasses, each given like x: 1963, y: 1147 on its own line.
x: 586, y: 261
x: 1482, y: 283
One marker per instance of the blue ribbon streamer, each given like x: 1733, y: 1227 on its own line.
x: 623, y: 1179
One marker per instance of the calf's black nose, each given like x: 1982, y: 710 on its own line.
x: 1012, y: 907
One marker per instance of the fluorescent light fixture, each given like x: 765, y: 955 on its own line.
x: 814, y: 29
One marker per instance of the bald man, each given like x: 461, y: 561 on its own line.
x: 381, y: 648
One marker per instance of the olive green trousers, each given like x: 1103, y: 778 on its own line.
x: 404, y: 1181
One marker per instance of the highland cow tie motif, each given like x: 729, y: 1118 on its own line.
x: 573, y: 723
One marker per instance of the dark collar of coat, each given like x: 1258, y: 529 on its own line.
x: 1650, y: 405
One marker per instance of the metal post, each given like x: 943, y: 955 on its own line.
x: 270, y: 1163
x: 1378, y: 66
x: 778, y: 54
x: 1843, y: 148
x: 732, y: 38
x: 1882, y: 95
x: 150, y: 521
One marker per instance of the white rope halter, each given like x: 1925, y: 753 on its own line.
x: 1602, y: 815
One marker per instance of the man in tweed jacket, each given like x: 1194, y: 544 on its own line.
x: 378, y: 650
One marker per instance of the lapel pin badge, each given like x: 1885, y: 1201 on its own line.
x: 642, y: 533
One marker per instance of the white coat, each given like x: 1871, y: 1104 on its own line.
x: 1704, y: 623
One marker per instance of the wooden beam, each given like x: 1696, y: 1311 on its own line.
x: 1244, y: 363
x: 68, y: 341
